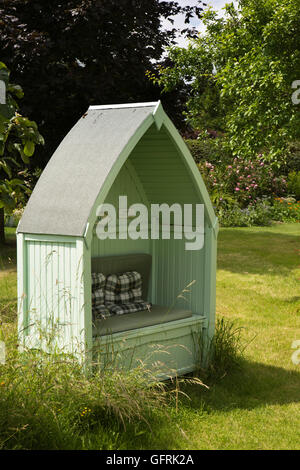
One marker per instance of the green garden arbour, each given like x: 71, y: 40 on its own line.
x: 113, y: 150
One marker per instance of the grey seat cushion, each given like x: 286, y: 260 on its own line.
x: 132, y: 321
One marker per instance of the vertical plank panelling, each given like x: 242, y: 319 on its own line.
x: 61, y: 287
x: 127, y: 183
x: 22, y: 288
x: 52, y: 289
x: 165, y: 179
x: 68, y: 282
x: 84, y: 334
x: 175, y: 268
x: 161, y: 169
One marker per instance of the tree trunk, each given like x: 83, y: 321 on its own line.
x: 2, y: 233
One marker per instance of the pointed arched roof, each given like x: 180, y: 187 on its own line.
x: 87, y: 161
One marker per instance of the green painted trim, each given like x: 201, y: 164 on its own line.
x: 159, y: 115
x: 216, y: 228
x: 85, y: 309
x: 210, y: 279
x: 22, y: 288
x: 124, y: 105
x: 153, y: 270
x: 49, y: 238
x: 192, y: 167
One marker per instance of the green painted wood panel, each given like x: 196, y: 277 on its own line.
x: 168, y: 349
x: 127, y: 183
x: 161, y: 169
x: 119, y: 247
x: 54, y: 292
x: 22, y: 287
x: 175, y: 268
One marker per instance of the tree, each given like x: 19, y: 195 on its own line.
x: 68, y: 55
x: 241, y: 73
x: 18, y: 138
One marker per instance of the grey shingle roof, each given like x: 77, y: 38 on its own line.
x: 68, y: 187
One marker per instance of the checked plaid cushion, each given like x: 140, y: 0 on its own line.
x: 101, y: 311
x: 123, y: 288
x: 121, y: 309
x: 98, y: 285
x: 108, y: 310
x: 117, y: 294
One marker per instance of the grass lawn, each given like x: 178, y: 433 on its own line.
x: 8, y: 281
x: 257, y: 406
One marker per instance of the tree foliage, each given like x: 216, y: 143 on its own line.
x: 241, y: 73
x: 68, y: 55
x: 18, y: 138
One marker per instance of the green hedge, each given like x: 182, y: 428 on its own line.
x: 206, y: 149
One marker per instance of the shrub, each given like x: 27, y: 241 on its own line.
x: 232, y: 179
x: 208, y: 149
x: 293, y: 184
x: 244, y: 180
x: 292, y: 158
x: 286, y: 210
x: 259, y: 214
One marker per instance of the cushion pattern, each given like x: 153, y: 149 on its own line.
x: 108, y: 310
x: 98, y: 285
x: 101, y: 311
x: 117, y: 294
x: 121, y: 309
x: 123, y: 288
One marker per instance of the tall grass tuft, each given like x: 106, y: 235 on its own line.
x: 224, y: 352
x: 226, y: 348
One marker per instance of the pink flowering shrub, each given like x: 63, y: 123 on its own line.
x: 241, y: 181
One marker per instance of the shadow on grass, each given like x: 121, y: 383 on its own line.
x: 258, y: 252
x: 292, y: 300
x: 254, y: 385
